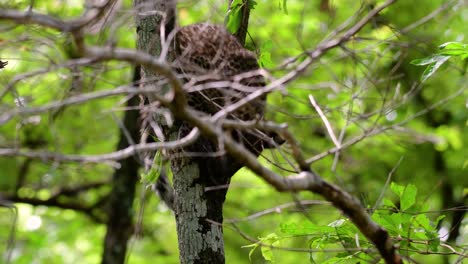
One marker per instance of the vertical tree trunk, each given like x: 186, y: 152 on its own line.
x: 198, y: 212
x: 120, y: 206
x: 199, y: 208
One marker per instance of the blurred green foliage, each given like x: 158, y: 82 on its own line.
x: 368, y: 83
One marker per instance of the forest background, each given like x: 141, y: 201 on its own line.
x: 386, y: 122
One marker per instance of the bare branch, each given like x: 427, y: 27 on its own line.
x: 430, y: 16
x: 20, y: 77
x: 379, y: 130
x: 76, y: 206
x: 106, y: 158
x: 276, y: 209
x: 31, y: 17
x: 82, y: 98
x: 325, y: 121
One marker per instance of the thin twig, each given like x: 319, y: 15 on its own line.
x: 325, y: 121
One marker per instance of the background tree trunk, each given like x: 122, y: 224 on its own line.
x: 120, y: 205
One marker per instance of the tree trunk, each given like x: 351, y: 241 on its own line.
x: 198, y: 211
x: 120, y: 206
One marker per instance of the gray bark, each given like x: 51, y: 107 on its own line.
x: 198, y: 213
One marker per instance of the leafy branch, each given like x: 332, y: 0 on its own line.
x: 434, y: 62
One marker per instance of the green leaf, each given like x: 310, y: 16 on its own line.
x: 267, y: 254
x: 425, y: 61
x: 406, y: 194
x: 254, y: 246
x: 265, y: 54
x: 454, y: 49
x: 454, y: 52
x: 234, y: 16
x: 271, y: 240
x: 453, y: 45
x: 434, y: 244
x: 390, y: 222
x: 304, y: 229
x: 408, y: 198
x: 265, y: 60
x: 155, y: 171
x: 337, y: 223
x: 388, y: 203
x: 448, y: 49
x: 431, y: 69
x: 424, y: 222
x: 436, y: 222
x: 397, y: 189
x: 252, y: 4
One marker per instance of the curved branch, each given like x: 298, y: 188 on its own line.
x: 31, y: 17
x: 59, y: 203
x: 109, y: 157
